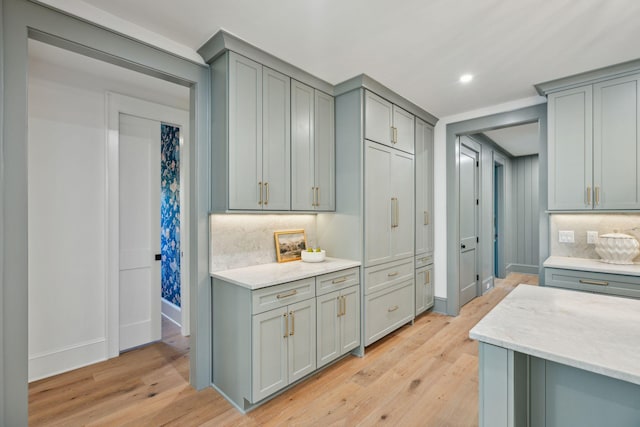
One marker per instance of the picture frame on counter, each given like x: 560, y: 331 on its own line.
x: 290, y: 244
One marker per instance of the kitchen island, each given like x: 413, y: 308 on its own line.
x: 554, y: 357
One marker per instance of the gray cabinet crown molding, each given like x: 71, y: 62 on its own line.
x: 222, y: 41
x: 589, y: 77
x: 364, y: 81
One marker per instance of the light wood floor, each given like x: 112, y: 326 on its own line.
x: 421, y: 375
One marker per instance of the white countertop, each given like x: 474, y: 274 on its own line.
x: 595, y: 265
x: 263, y: 275
x: 597, y: 333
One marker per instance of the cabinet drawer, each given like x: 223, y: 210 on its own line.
x: 339, y: 280
x: 424, y: 260
x: 603, y: 283
x: 388, y: 310
x: 387, y: 275
x: 281, y: 295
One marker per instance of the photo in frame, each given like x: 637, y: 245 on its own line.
x: 289, y: 244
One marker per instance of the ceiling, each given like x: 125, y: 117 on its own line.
x: 518, y: 141
x: 418, y: 48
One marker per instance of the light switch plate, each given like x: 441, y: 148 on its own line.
x: 566, y: 236
x: 592, y: 237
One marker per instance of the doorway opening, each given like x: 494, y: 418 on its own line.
x: 498, y: 219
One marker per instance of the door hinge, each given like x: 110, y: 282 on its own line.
x: 477, y: 240
x: 477, y: 163
x: 477, y: 277
x: 477, y: 202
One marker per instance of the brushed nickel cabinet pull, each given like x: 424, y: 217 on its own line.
x: 395, y: 135
x: 597, y: 195
x: 260, y: 190
x: 288, y: 294
x: 397, y: 213
x: 594, y: 282
x: 426, y: 218
x: 393, y: 308
x: 339, y: 306
x: 286, y: 325
x: 292, y: 315
x: 317, y: 196
x: 395, y: 273
x: 427, y: 278
x: 340, y: 280
x: 589, y: 195
x: 266, y: 188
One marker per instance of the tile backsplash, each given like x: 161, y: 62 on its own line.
x: 581, y: 223
x: 241, y: 240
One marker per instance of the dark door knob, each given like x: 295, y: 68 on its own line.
x: 463, y: 246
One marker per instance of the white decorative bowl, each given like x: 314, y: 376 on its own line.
x: 313, y: 256
x: 617, y: 248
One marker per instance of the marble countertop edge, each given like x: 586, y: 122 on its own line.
x: 593, y: 265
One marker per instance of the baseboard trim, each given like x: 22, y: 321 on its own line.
x: 67, y: 358
x: 172, y: 312
x: 487, y: 284
x: 522, y: 268
x: 440, y: 305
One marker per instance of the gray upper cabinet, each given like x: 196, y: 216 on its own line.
x: 570, y: 149
x: 594, y: 146
x: 387, y: 123
x: 312, y: 149
x: 258, y: 147
x: 616, y: 144
x: 424, y: 188
x: 389, y: 204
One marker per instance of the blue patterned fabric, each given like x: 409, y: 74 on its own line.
x: 170, y: 213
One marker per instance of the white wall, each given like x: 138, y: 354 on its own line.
x: 440, y: 182
x: 67, y: 203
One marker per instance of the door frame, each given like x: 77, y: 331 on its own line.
x: 474, y: 146
x: 27, y: 19
x: 536, y: 113
x: 117, y: 104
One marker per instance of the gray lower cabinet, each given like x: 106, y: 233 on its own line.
x: 424, y: 188
x: 312, y: 149
x: 424, y: 289
x: 602, y: 283
x: 284, y: 347
x: 269, y: 338
x: 338, y: 315
x: 389, y: 298
x: 594, y: 146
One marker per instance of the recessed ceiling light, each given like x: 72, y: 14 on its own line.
x: 466, y: 78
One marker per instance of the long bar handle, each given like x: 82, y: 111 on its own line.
x: 588, y: 195
x: 594, y: 282
x: 597, y: 195
x: 395, y: 135
x: 266, y: 188
x: 317, y: 196
x: 288, y: 294
x: 260, y: 190
x: 286, y: 325
x: 339, y: 300
x: 426, y: 218
x: 427, y: 278
x: 397, y: 213
x: 292, y: 315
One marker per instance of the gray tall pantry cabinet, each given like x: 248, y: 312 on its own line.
x: 375, y: 218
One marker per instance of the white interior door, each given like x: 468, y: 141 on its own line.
x: 139, y: 273
x: 468, y: 224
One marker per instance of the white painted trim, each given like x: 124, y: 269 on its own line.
x: 116, y: 104
x: 171, y: 312
x: 67, y: 358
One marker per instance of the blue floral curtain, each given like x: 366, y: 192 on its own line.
x: 170, y: 213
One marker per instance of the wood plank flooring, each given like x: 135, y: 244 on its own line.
x: 421, y: 375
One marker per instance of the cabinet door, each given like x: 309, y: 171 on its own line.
x: 378, y: 118
x: 403, y: 123
x: 270, y: 336
x: 424, y: 289
x: 302, y: 147
x: 378, y: 204
x: 570, y: 147
x: 402, y: 181
x: 325, y: 152
x: 245, y: 133
x: 616, y: 147
x: 350, y: 319
x: 328, y: 328
x: 424, y: 187
x: 276, y: 141
x: 302, y: 339
x: 429, y: 295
